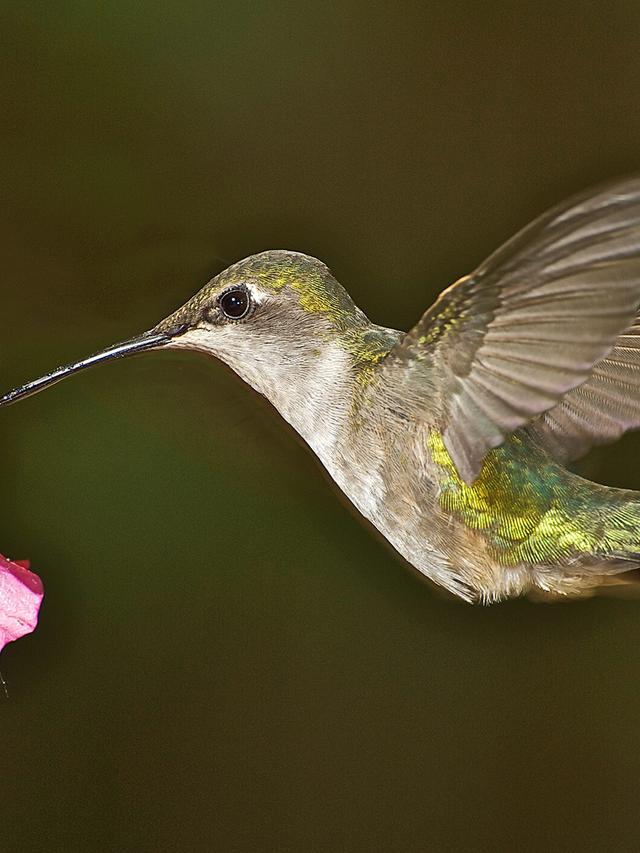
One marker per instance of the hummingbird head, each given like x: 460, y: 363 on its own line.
x: 279, y: 319
x: 274, y: 318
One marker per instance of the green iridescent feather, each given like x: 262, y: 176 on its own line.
x: 531, y: 510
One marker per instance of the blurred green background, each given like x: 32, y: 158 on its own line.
x: 227, y: 659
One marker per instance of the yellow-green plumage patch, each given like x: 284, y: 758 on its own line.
x: 448, y: 319
x: 531, y: 510
x: 309, y: 283
x: 319, y: 293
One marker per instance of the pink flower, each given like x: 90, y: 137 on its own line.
x: 21, y: 594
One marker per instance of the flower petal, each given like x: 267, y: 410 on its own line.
x: 21, y: 594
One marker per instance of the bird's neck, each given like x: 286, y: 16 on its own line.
x: 313, y: 395
x: 317, y: 392
x: 316, y: 388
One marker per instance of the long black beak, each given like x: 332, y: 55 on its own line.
x: 146, y: 341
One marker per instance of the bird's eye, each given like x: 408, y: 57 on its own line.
x: 235, y: 303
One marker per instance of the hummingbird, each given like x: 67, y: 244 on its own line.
x: 453, y: 439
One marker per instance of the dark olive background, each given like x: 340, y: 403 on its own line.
x: 227, y: 659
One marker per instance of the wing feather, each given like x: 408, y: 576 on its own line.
x: 522, y: 336
x: 600, y: 410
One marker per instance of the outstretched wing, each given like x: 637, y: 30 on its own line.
x: 600, y: 410
x: 508, y: 342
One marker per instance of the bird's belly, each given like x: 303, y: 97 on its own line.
x: 396, y: 489
x: 440, y: 548
x: 470, y: 541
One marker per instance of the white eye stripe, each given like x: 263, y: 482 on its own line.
x: 258, y: 296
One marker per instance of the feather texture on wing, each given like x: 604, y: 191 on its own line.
x: 600, y: 410
x: 551, y: 310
